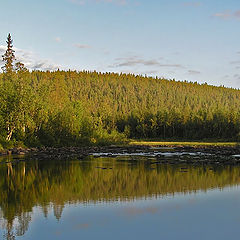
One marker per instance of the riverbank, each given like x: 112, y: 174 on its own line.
x: 131, y: 145
x: 183, y: 143
x: 172, y: 153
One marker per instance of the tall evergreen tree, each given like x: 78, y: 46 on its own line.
x: 9, y: 56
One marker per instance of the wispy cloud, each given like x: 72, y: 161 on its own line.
x: 235, y: 62
x: 192, y: 4
x: 237, y: 14
x: 79, y: 45
x: 83, y: 2
x: 227, y: 15
x: 78, y: 2
x: 2, y: 49
x: 58, y: 39
x: 223, y: 15
x: 135, y: 61
x: 193, y: 72
x: 151, y: 72
x: 236, y: 76
x: 30, y: 60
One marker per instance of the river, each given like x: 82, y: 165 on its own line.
x: 123, y: 197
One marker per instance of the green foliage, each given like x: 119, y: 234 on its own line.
x: 72, y: 108
x: 9, y: 56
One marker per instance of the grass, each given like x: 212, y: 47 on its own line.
x: 185, y: 143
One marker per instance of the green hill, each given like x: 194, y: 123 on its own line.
x: 71, y: 108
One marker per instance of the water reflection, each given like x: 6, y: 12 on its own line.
x: 53, y: 184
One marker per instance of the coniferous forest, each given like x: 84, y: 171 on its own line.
x: 63, y: 108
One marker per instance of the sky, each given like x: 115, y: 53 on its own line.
x: 175, y: 39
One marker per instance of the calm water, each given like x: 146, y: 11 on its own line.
x: 118, y: 198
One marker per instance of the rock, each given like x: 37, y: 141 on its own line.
x: 14, y: 150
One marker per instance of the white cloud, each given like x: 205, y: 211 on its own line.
x: 135, y: 60
x: 236, y: 76
x: 83, y: 2
x: 193, y: 72
x: 2, y: 48
x: 150, y: 73
x: 237, y: 14
x: 235, y: 62
x: 223, y: 15
x: 58, y: 39
x: 78, y: 2
x: 30, y: 60
x: 192, y: 4
x: 79, y: 45
x: 228, y: 15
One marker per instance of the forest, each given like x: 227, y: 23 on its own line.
x: 72, y: 108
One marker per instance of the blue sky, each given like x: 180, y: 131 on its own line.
x: 185, y: 40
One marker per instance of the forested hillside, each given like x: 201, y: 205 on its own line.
x: 72, y: 108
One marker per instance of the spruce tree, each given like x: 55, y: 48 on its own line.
x: 9, y: 56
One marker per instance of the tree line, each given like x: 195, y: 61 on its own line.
x: 81, y: 107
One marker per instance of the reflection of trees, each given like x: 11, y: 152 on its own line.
x: 23, y: 222
x: 9, y: 235
x: 57, y: 210
x: 18, y: 227
x: 49, y: 183
x: 25, y: 185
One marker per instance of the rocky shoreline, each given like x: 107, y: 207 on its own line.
x: 162, y: 154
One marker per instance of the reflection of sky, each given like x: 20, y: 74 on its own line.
x: 192, y: 40
x: 211, y: 215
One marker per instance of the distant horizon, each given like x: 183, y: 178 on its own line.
x: 194, y: 41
